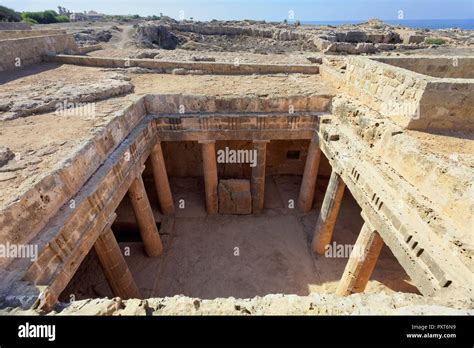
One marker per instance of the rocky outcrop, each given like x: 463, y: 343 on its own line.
x: 5, y: 155
x: 64, y: 100
x: 156, y: 36
x: 365, y: 38
x: 92, y: 37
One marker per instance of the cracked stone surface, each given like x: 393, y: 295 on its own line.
x: 234, y: 197
x: 63, y: 88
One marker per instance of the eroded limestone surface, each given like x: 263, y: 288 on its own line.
x: 65, y: 90
x: 358, y: 304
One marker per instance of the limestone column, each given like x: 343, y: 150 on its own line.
x: 328, y: 215
x: 160, y: 177
x: 145, y: 219
x: 210, y: 175
x: 258, y: 176
x: 308, y: 184
x: 114, y: 266
x: 361, y: 263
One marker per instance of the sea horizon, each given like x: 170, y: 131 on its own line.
x: 411, y: 23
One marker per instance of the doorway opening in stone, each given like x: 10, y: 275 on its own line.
x: 242, y: 256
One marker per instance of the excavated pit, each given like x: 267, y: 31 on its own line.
x: 344, y: 161
x: 224, y: 255
x: 274, y: 254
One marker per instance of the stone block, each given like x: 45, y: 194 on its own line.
x: 235, y: 197
x: 413, y: 39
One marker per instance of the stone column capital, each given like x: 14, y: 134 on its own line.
x: 315, y: 137
x: 109, y: 224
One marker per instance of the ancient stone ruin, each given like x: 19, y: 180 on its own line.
x: 235, y: 168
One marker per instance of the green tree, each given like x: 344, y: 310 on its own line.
x: 45, y: 17
x: 50, y: 16
x: 9, y: 15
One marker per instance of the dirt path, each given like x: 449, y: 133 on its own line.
x: 126, y: 38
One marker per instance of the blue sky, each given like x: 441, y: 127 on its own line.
x: 265, y: 9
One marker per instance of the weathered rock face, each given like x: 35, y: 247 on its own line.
x: 274, y: 304
x: 235, y: 197
x: 64, y: 99
x: 156, y: 35
x: 264, y: 38
x: 92, y: 37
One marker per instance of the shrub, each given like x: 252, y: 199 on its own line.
x: 49, y: 16
x: 45, y: 17
x: 62, y: 19
x: 30, y: 21
x: 434, y: 41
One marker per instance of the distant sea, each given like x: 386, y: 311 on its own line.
x: 411, y: 23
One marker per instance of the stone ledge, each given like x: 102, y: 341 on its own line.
x: 169, y: 66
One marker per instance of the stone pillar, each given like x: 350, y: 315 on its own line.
x: 328, y: 215
x: 361, y: 263
x: 258, y: 176
x: 308, y: 184
x: 114, y: 266
x: 145, y: 219
x: 210, y: 175
x: 160, y: 177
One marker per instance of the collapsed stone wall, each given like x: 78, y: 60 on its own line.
x: 28, y: 51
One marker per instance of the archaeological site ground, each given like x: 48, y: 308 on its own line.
x: 235, y: 168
